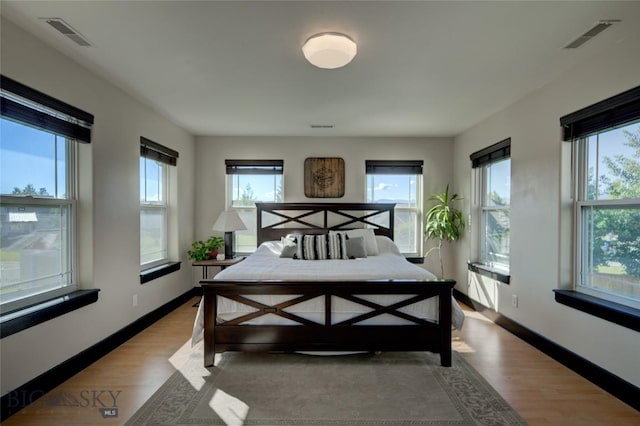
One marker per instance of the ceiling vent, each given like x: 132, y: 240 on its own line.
x: 322, y: 126
x: 67, y: 30
x: 597, y: 29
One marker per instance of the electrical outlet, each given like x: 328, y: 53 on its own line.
x: 514, y: 300
x: 135, y: 300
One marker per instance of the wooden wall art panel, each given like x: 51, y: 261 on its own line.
x: 324, y: 177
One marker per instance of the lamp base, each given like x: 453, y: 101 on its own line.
x: 228, y: 246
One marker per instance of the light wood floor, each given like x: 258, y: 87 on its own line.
x: 541, y: 390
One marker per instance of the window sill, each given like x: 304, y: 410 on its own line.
x: 158, y: 271
x: 614, y: 312
x: 496, y: 274
x: 13, y: 322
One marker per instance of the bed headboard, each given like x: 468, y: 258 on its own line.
x: 275, y: 220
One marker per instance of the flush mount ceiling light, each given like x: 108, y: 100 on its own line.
x: 329, y: 50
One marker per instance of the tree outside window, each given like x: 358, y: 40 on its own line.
x: 610, y: 212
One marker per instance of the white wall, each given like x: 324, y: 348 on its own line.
x: 109, y: 212
x: 213, y: 151
x: 539, y: 240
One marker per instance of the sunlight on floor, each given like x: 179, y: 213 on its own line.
x: 188, y: 361
x: 476, y: 315
x: 230, y: 409
x: 460, y: 346
x: 195, y: 373
x: 181, y: 356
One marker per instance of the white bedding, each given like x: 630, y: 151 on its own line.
x: 266, y: 264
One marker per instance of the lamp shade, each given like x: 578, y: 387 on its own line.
x: 329, y: 50
x: 229, y: 221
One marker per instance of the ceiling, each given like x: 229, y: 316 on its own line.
x: 236, y: 68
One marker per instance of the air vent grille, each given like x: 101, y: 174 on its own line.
x: 597, y: 29
x: 322, y: 126
x: 63, y: 28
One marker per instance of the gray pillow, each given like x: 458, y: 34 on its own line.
x: 356, y: 247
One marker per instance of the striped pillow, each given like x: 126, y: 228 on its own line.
x: 337, y: 245
x: 314, y: 247
x: 321, y: 246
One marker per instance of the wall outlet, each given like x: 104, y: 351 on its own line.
x: 135, y: 300
x: 514, y: 300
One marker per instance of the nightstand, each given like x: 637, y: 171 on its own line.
x: 217, y: 263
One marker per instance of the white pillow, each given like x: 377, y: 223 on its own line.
x: 289, y: 247
x: 386, y: 245
x: 370, y: 243
x: 297, y: 239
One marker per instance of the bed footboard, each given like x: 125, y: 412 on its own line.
x: 417, y: 334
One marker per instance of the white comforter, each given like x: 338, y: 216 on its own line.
x: 266, y: 264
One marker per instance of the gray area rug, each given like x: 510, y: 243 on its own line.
x: 405, y: 388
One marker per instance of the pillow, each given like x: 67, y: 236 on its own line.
x: 386, y: 245
x: 311, y: 247
x: 370, y: 243
x: 320, y: 246
x: 297, y: 240
x: 290, y: 238
x: 289, y: 247
x: 337, y: 242
x: 355, y: 247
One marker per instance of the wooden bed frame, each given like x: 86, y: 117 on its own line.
x: 306, y: 335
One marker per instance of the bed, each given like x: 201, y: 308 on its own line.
x: 380, y: 302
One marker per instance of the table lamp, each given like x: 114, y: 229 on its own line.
x: 228, y: 222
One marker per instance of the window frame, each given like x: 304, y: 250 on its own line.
x: 162, y: 206
x: 581, y: 205
x: 256, y: 167
x: 486, y: 209
x: 401, y: 167
x: 165, y: 157
x: 31, y: 108
x: 615, y: 111
x: 480, y: 161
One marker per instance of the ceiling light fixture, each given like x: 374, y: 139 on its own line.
x: 329, y: 50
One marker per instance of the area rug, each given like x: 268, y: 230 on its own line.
x: 404, y: 388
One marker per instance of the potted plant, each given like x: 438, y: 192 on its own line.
x: 443, y: 222
x: 203, y: 250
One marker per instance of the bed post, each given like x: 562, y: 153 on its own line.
x: 444, y: 299
x: 210, y: 305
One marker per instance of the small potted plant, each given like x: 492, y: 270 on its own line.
x: 443, y: 222
x: 203, y: 250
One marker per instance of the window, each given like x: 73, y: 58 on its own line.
x: 399, y: 182
x: 492, y: 199
x: 155, y: 160
x: 38, y: 211
x: 605, y: 142
x: 248, y: 182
